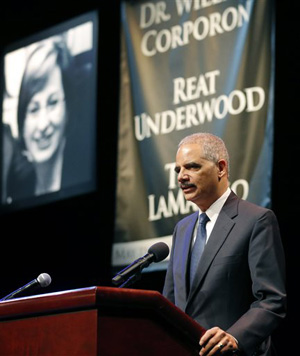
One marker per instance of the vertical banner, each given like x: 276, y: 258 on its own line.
x: 189, y: 66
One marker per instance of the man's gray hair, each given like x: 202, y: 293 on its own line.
x: 213, y: 146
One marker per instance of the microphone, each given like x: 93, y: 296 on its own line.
x: 156, y: 253
x: 43, y: 280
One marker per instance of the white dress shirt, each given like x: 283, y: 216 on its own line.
x: 212, y: 212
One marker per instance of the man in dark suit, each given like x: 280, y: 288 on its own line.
x: 238, y: 291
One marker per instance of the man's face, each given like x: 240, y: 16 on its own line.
x: 198, y: 178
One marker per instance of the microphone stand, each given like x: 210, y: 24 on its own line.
x: 132, y: 279
x: 21, y: 291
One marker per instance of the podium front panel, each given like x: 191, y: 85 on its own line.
x: 96, y: 321
x: 67, y: 334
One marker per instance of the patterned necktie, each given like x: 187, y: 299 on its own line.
x: 198, y: 245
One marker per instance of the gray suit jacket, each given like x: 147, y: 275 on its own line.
x: 240, y: 283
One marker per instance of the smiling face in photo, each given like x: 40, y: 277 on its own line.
x: 45, y: 119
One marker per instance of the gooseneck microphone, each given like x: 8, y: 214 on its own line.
x: 43, y: 280
x: 156, y: 253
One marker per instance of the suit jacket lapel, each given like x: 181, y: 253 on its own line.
x: 186, y: 248
x: 220, y: 232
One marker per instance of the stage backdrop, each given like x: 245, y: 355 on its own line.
x: 189, y: 66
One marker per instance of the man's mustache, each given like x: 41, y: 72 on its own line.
x: 187, y: 185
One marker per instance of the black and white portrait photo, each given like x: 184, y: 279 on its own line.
x: 48, y: 115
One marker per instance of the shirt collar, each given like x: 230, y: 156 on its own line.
x: 213, y: 211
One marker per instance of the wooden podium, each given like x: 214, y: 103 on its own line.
x: 104, y: 321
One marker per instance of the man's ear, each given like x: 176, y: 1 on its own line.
x: 222, y: 167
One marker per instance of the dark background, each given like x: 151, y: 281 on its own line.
x: 71, y: 239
